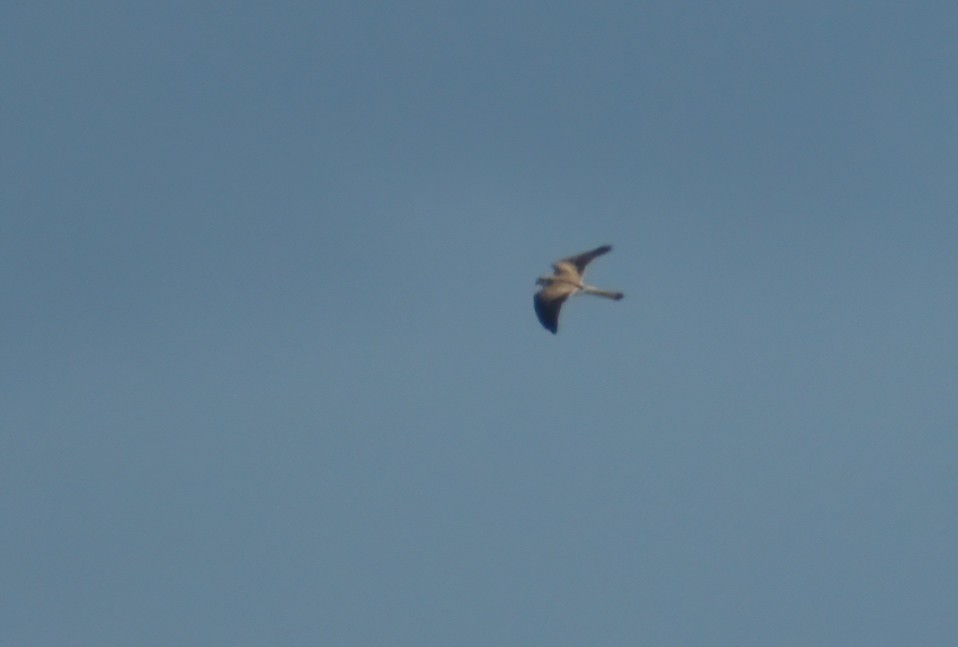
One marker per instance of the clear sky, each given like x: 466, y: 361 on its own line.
x: 271, y: 375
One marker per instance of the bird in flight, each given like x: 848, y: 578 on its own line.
x: 566, y: 281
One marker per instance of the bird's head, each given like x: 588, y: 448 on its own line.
x: 543, y: 280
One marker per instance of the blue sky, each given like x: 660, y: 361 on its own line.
x: 272, y: 374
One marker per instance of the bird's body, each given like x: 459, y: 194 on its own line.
x: 566, y: 281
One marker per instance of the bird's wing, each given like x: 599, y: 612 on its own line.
x: 579, y: 261
x: 566, y: 270
x: 548, y: 312
x: 548, y: 301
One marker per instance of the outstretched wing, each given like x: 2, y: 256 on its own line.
x: 579, y: 261
x: 548, y: 302
x: 548, y: 312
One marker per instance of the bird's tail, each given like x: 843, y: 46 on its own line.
x: 615, y: 296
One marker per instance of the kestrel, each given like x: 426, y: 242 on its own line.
x: 565, y: 282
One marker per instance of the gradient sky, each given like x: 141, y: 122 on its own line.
x: 271, y: 373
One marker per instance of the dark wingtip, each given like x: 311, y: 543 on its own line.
x: 548, y: 319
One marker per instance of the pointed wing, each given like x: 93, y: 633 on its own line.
x: 578, y: 262
x: 548, y: 302
x: 548, y: 312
